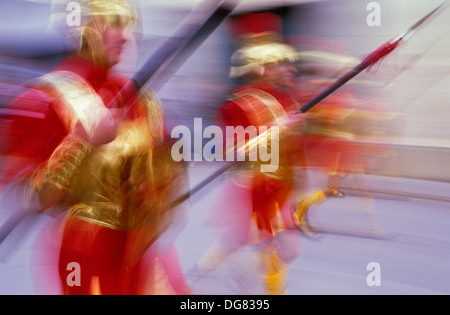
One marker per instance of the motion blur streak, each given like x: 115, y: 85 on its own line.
x: 364, y: 175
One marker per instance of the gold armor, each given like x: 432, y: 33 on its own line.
x: 263, y: 109
x: 125, y: 184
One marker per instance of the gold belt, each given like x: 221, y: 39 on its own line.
x: 102, y: 213
x: 333, y: 133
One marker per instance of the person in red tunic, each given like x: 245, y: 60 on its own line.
x: 114, y: 175
x: 334, y: 129
x: 255, y: 206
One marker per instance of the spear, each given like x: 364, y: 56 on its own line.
x: 373, y: 58
x: 186, y: 38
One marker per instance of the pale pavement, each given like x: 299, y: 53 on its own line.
x: 412, y: 247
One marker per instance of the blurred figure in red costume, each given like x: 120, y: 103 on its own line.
x: 114, y: 175
x: 254, y: 207
x: 336, y: 128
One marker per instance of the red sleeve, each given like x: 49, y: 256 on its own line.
x: 26, y: 119
x: 35, y: 129
x: 230, y: 114
x: 31, y: 130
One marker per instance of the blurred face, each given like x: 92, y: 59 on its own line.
x: 105, y: 38
x: 114, y: 39
x: 281, y: 74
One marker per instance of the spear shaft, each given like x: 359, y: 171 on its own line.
x: 372, y: 59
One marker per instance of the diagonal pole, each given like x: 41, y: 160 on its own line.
x: 372, y: 59
x: 186, y: 38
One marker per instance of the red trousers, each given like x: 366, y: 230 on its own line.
x: 99, y: 253
x: 268, y: 197
x: 259, y: 200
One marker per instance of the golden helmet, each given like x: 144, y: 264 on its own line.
x: 114, y: 13
x: 70, y: 18
x: 109, y: 8
x: 110, y: 11
x: 259, y: 41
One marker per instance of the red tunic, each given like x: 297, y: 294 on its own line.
x: 99, y: 250
x: 38, y: 130
x: 329, y: 133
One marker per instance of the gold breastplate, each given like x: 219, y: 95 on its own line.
x: 107, y: 185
